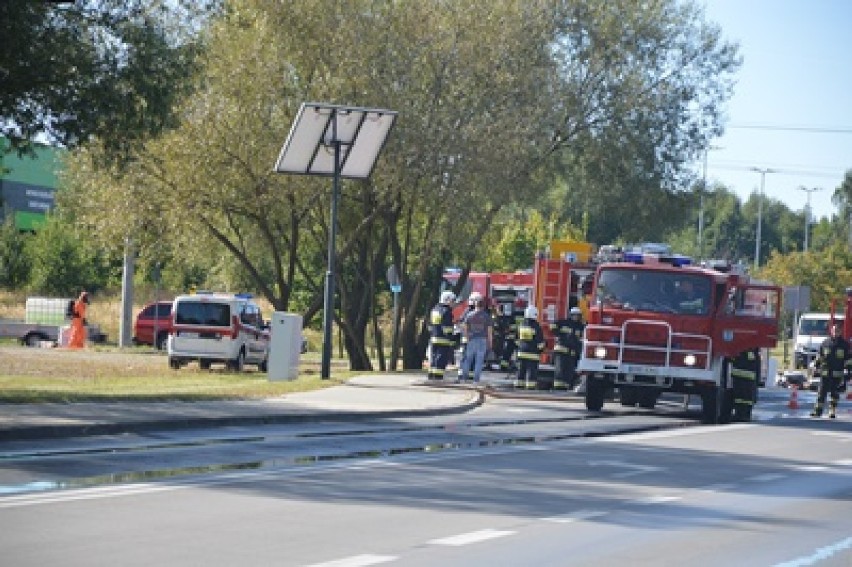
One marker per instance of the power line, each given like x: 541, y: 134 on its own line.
x: 782, y: 171
x: 809, y: 129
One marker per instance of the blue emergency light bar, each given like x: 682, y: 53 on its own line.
x: 676, y: 260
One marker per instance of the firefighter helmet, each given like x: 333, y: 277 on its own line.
x: 448, y: 297
x: 575, y: 311
x: 474, y: 297
x: 531, y: 312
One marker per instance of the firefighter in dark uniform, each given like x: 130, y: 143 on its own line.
x: 833, y: 361
x: 571, y: 335
x: 513, y: 315
x: 441, y: 341
x: 745, y: 372
x: 530, y: 345
x: 562, y: 335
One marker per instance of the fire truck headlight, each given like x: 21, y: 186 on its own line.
x: 600, y: 352
x: 689, y: 360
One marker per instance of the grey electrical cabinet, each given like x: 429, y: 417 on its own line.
x: 285, y: 345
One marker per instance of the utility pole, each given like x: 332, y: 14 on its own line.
x: 808, y: 212
x: 762, y: 172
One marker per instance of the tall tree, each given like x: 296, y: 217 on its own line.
x: 105, y: 68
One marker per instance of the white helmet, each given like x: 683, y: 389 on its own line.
x: 474, y: 297
x: 530, y: 312
x: 447, y: 297
x: 575, y: 311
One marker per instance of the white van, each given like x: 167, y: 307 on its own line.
x: 811, y: 331
x: 216, y: 327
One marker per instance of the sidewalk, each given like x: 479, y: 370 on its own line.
x: 387, y: 395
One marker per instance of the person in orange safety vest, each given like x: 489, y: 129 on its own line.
x: 78, y: 322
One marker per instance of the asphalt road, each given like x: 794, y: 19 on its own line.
x: 513, y: 483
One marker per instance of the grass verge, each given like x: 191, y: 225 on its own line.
x: 32, y: 375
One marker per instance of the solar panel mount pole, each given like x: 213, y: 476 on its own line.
x: 328, y: 305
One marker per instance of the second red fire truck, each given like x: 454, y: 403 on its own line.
x: 656, y: 325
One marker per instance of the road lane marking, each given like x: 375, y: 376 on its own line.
x: 357, y: 561
x: 843, y: 462
x: 661, y: 499
x: 843, y: 437
x: 766, y: 477
x: 577, y: 516
x: 810, y: 468
x: 821, y: 554
x: 471, y: 537
x: 718, y: 487
x: 633, y: 468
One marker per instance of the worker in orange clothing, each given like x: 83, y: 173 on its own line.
x: 78, y: 322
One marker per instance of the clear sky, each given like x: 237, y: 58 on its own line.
x: 792, y: 105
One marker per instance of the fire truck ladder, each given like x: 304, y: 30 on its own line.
x: 552, y: 287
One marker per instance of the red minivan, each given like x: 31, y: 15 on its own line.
x: 154, y: 320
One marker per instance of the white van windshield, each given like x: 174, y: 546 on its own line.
x: 199, y: 313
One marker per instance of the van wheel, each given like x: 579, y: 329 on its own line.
x: 238, y: 363
x: 264, y: 365
x: 160, y: 343
x: 174, y: 363
x: 204, y: 364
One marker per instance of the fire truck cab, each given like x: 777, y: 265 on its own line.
x: 658, y: 324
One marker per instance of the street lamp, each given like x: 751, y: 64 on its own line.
x: 762, y: 172
x: 808, y: 212
x: 701, y: 203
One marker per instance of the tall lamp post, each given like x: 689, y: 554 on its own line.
x: 808, y: 212
x: 701, y: 203
x: 762, y: 172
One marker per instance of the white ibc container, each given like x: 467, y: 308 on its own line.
x: 285, y: 345
x: 46, y: 310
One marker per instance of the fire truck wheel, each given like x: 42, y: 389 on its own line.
x: 628, y: 396
x: 709, y: 411
x: 595, y: 392
x: 648, y: 399
x: 727, y: 409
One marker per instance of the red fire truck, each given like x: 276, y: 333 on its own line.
x: 658, y: 324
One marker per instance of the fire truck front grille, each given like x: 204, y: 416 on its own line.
x: 648, y: 343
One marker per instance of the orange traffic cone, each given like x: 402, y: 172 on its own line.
x: 794, y: 398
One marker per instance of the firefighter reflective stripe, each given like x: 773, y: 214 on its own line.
x: 560, y: 348
x: 743, y: 402
x: 441, y: 341
x: 837, y: 374
x: 436, y: 317
x: 741, y: 373
x: 526, y: 333
x: 528, y: 355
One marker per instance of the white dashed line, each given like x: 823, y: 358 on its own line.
x: 843, y: 462
x: 657, y: 499
x: 717, y: 487
x: 767, y: 477
x: 472, y: 537
x: 810, y: 468
x: 357, y: 561
x: 577, y: 516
